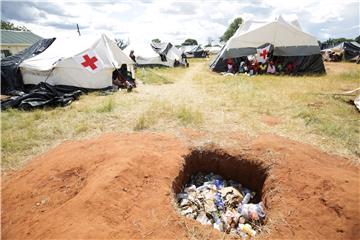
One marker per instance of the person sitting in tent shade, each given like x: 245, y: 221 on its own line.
x: 247, y: 66
x: 289, y: 68
x: 254, y: 67
x: 271, y: 68
x: 122, y: 78
x: 262, y: 68
x: 242, y: 67
x: 279, y: 67
x: 230, y: 65
x: 132, y: 55
x: 184, y: 59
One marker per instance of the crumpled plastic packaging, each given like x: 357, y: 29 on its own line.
x: 252, y: 211
x: 224, y: 204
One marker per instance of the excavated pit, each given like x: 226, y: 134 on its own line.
x: 218, y: 204
x: 249, y: 172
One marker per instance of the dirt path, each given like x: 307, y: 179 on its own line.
x: 183, y: 90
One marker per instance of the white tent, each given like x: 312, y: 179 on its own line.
x: 212, y: 49
x: 148, y: 54
x: 80, y: 62
x: 193, y: 51
x: 286, y: 38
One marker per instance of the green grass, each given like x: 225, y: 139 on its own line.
x: 187, y: 116
x: 159, y: 75
x: 160, y: 114
x: 152, y: 76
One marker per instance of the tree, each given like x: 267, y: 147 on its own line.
x: 357, y: 39
x: 231, y: 29
x: 10, y: 26
x: 335, y: 41
x: 156, y: 40
x: 189, y: 41
x: 121, y: 43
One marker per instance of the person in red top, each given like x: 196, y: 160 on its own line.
x: 255, y: 67
x: 230, y: 65
x: 290, y: 68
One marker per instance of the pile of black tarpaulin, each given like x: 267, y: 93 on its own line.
x: 37, y: 96
x: 42, y: 95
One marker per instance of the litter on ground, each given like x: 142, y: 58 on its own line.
x: 225, y: 204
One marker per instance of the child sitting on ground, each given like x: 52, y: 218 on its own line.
x: 262, y: 68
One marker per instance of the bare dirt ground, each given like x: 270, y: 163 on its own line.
x: 120, y: 186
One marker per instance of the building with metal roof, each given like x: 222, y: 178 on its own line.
x: 16, y: 41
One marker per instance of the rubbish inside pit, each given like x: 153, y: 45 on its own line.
x: 225, y: 204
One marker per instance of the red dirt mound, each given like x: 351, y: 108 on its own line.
x: 120, y: 186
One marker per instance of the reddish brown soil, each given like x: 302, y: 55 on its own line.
x: 270, y: 121
x: 120, y: 186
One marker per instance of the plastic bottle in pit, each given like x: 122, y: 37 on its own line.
x: 246, y: 228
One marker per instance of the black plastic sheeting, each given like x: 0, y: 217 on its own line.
x: 193, y: 51
x: 162, y: 49
x: 312, y: 64
x: 43, y: 95
x: 351, y: 50
x: 11, y: 78
x: 348, y: 51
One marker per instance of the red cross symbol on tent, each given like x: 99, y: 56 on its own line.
x: 89, y: 62
x: 264, y: 53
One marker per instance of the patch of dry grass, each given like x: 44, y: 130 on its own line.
x: 201, y: 100
x: 159, y: 114
x: 305, y: 106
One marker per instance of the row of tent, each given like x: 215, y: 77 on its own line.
x: 81, y: 62
x: 155, y: 54
x: 88, y: 63
x: 286, y: 39
x: 56, y: 71
x: 213, y: 49
x: 165, y: 54
x: 193, y: 51
x: 347, y: 51
x: 196, y: 51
